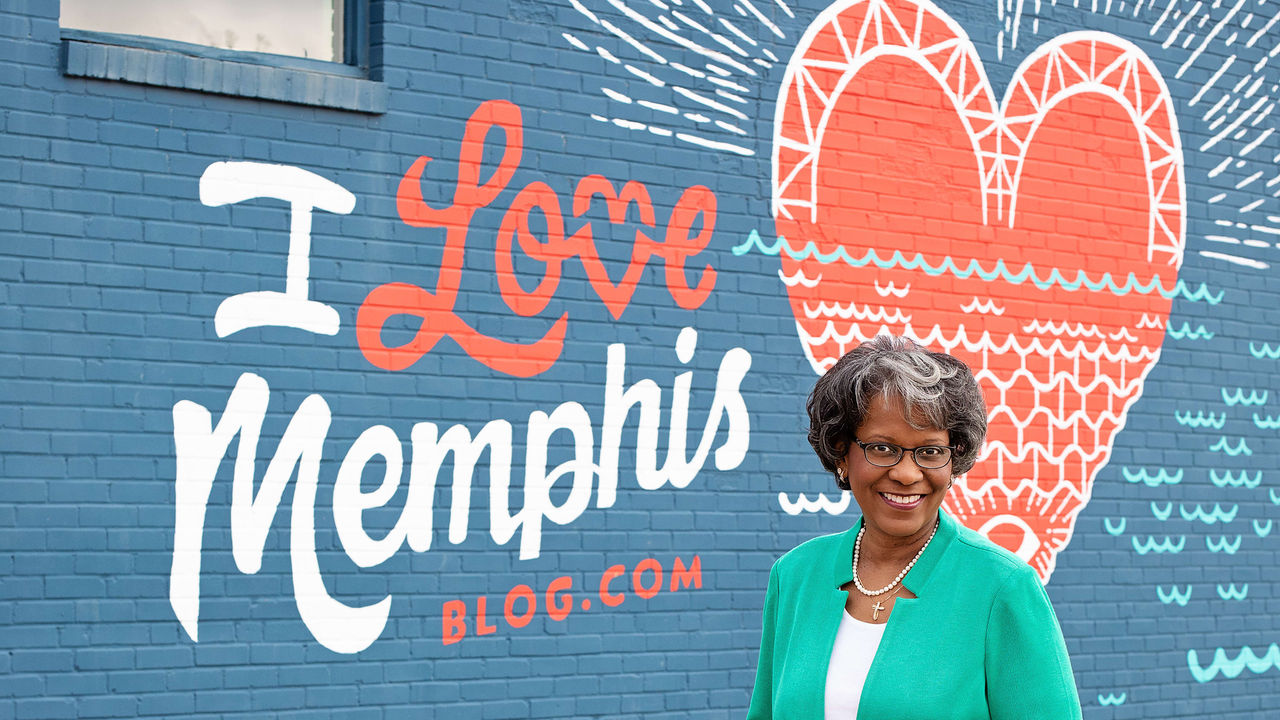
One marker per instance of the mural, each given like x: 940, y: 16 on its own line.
x: 978, y: 227
x: 491, y: 404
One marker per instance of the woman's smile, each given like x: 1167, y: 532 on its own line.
x: 902, y: 502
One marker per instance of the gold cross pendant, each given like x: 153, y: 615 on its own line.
x: 875, y: 615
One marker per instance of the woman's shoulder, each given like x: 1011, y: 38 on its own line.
x: 980, y: 556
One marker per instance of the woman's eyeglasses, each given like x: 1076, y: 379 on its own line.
x: 928, y: 457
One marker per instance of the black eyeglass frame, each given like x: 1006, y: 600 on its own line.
x: 902, y: 451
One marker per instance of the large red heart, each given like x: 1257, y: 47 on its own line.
x: 1038, y: 240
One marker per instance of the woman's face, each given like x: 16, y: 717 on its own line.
x: 901, y: 501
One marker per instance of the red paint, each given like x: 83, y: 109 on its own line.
x: 606, y: 597
x: 650, y: 565
x: 453, y: 622
x: 519, y: 592
x: 436, y: 308
x: 558, y: 600
x: 482, y: 621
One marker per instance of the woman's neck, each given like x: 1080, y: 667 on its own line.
x: 879, y: 548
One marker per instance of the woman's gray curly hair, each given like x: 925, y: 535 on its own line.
x: 936, y: 389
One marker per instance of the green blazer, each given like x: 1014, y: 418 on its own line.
x: 978, y: 642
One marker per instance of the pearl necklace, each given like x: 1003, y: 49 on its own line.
x: 857, y: 548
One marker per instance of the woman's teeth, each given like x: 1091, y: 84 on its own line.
x: 902, y: 499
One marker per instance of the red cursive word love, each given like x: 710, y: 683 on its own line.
x: 436, y: 309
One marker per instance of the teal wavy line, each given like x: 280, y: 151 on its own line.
x: 1164, y: 546
x: 1112, y: 530
x: 1237, y: 397
x: 1270, y: 422
x: 1111, y: 699
x: 1231, y: 668
x: 1186, y: 333
x: 1211, y: 517
x: 1229, y: 478
x: 1275, y: 499
x: 1240, y: 448
x: 1161, y: 476
x: 1231, y: 593
x: 1162, y: 515
x: 1260, y: 529
x: 1224, y: 545
x: 1181, y: 597
x: 1000, y: 271
x: 1266, y: 351
x: 1200, y: 420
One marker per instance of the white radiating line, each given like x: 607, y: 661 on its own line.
x: 728, y: 84
x: 669, y: 23
x: 1217, y: 198
x: 585, y: 12
x: 1207, y: 38
x: 1222, y: 239
x: 679, y: 39
x: 1156, y: 27
x: 769, y: 54
x: 707, y: 31
x: 705, y: 7
x: 1249, y: 179
x: 658, y: 106
x: 733, y: 29
x: 709, y: 102
x: 629, y: 124
x: 1251, y: 206
x: 1234, y: 124
x: 1256, y: 142
x: 763, y: 20
x: 1265, y: 113
x: 1254, y: 87
x: 730, y: 96
x: 731, y: 128
x: 718, y: 70
x: 659, y: 131
x: 659, y: 4
x: 1216, y: 171
x: 644, y: 75
x: 644, y: 49
x: 1212, y: 79
x: 607, y: 55
x: 1265, y: 229
x: 575, y: 42
x: 762, y: 63
x: 688, y: 70
x: 713, y: 144
x: 1236, y: 260
x: 615, y: 95
x: 1262, y: 31
x: 698, y: 117
x: 1217, y: 106
x: 1181, y: 24
x: 1271, y: 182
x: 785, y: 9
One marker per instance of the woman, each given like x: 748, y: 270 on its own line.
x: 958, y: 628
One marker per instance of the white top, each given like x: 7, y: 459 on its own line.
x: 855, y: 648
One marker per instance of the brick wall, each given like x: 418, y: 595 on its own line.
x: 439, y: 427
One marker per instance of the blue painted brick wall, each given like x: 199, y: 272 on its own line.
x: 113, y: 271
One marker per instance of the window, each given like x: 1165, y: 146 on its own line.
x: 301, y: 28
x: 312, y: 52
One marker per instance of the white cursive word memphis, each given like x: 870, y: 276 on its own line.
x: 201, y: 447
